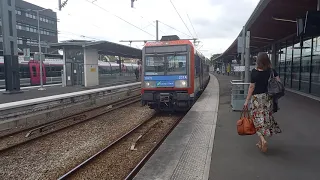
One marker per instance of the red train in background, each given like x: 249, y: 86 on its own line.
x: 174, y: 74
x: 34, y: 68
x: 52, y: 68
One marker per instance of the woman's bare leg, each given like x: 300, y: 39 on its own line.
x: 263, y: 142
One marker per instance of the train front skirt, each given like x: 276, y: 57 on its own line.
x: 167, y: 100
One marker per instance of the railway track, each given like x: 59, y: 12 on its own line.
x: 124, y: 157
x: 19, y: 138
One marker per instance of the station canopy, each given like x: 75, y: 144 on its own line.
x: 103, y: 47
x: 272, y: 21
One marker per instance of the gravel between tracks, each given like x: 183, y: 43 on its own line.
x: 50, y: 156
x: 20, y: 137
x: 117, y: 162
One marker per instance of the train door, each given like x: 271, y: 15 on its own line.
x: 34, y: 68
x: 77, y: 74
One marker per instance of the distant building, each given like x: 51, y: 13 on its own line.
x: 27, y: 28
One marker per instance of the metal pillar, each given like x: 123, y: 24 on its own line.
x: 10, y: 47
x: 243, y: 50
x: 273, y: 56
x: 318, y: 5
x: 247, y: 58
x: 157, y: 30
x: 40, y: 57
x: 120, y: 67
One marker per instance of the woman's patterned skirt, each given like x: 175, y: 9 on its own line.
x: 262, y: 113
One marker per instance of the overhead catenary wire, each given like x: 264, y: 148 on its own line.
x: 73, y: 16
x: 174, y: 29
x: 80, y: 35
x: 84, y: 36
x: 148, y: 20
x: 120, y: 18
x: 180, y: 17
x: 159, y: 20
x: 192, y: 26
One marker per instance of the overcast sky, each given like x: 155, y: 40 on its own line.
x: 216, y: 22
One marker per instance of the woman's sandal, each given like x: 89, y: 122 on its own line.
x: 259, y: 145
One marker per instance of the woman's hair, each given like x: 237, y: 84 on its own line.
x: 263, y: 61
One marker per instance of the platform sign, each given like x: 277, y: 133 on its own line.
x: 93, y: 69
x: 242, y: 68
x: 239, y: 68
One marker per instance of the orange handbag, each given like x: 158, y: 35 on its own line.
x: 245, y: 124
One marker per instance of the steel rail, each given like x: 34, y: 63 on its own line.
x: 46, y: 127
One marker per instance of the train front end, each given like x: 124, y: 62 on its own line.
x: 167, y: 83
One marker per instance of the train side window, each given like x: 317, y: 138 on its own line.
x: 24, y: 71
x: 59, y: 71
x: 100, y: 70
x: 34, y: 71
x: 48, y: 72
x: 108, y: 69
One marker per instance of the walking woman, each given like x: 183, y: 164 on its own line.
x: 261, y: 102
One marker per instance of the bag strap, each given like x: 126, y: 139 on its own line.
x: 271, y: 74
x: 245, y: 112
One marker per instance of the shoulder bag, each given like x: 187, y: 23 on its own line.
x: 245, y: 124
x: 274, y: 86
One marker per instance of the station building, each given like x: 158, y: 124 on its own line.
x: 288, y: 30
x: 27, y: 28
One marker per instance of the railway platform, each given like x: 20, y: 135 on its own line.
x: 186, y: 153
x: 32, y: 92
x: 293, y: 154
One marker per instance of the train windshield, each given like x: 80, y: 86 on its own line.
x: 166, y: 65
x: 155, y: 65
x: 177, y: 65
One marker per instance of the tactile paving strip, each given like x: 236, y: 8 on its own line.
x: 192, y: 164
x: 207, y: 117
x: 201, y: 135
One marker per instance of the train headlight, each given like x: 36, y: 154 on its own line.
x: 180, y: 83
x: 149, y: 84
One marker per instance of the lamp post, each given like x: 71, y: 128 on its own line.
x: 39, y: 44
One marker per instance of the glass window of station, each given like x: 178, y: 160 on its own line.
x: 299, y: 67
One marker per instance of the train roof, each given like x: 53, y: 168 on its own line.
x: 199, y: 54
x: 173, y: 40
x: 170, y: 43
x: 169, y: 40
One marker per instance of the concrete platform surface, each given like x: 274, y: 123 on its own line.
x: 292, y: 155
x: 186, y: 153
x: 51, y: 90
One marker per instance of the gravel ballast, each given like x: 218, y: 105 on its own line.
x: 49, y: 157
x: 118, y: 161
